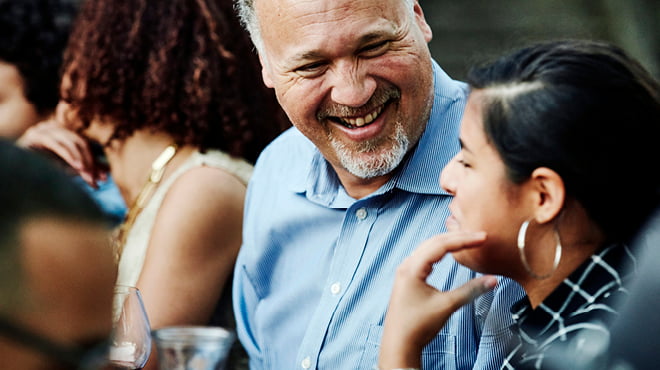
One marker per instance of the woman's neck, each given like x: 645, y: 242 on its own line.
x: 130, y: 160
x: 580, y: 238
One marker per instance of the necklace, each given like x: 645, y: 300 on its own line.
x: 155, y: 175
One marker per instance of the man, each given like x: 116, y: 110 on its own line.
x: 337, y: 202
x: 56, y: 268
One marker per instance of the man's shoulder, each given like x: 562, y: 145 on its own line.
x: 288, y: 152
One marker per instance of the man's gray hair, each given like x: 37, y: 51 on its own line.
x: 248, y: 18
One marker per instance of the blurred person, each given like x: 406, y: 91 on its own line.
x: 170, y: 91
x: 56, y: 268
x: 548, y: 133
x: 34, y: 35
x: 338, y: 201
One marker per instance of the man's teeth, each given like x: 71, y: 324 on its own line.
x: 361, y: 121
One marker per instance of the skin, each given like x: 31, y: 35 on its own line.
x: 334, y: 60
x: 491, y: 208
x: 196, y: 234
x: 17, y: 114
x: 486, y: 213
x: 64, y: 146
x: 69, y: 279
x: 486, y: 200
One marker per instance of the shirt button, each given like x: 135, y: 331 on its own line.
x: 306, y: 363
x: 335, y: 288
x: 361, y: 214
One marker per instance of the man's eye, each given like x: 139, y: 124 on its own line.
x: 311, y: 69
x: 463, y: 163
x: 375, y: 49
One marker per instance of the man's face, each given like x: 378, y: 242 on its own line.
x: 355, y: 77
x: 69, y: 275
x: 17, y: 114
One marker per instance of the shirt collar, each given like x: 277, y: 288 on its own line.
x: 611, y: 266
x: 420, y: 171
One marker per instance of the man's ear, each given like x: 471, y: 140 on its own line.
x: 549, y: 193
x: 421, y: 22
x: 265, y: 72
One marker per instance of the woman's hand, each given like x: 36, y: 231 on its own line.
x: 65, y: 145
x: 417, y: 310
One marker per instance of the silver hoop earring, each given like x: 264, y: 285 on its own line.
x: 522, y: 234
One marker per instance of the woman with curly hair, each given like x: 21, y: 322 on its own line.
x: 171, y: 92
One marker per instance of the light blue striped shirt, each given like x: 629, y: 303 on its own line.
x: 314, y: 275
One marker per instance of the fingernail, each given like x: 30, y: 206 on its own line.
x: 479, y: 234
x: 490, y: 282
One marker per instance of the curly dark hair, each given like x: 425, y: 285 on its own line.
x: 184, y: 67
x: 34, y: 35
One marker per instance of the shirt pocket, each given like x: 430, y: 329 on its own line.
x: 440, y: 354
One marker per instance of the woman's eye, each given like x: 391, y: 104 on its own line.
x: 463, y: 163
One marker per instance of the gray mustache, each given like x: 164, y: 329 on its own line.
x: 380, y: 97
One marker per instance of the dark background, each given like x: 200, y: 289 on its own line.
x: 472, y: 31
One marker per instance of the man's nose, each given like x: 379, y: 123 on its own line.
x: 351, y: 85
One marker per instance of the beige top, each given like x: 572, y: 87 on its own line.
x: 137, y: 240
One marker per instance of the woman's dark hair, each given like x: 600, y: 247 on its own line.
x: 34, y: 34
x: 585, y: 110
x: 184, y: 67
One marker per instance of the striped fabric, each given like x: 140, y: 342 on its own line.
x: 561, y: 329
x: 314, y: 275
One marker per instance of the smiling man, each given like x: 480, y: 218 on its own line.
x: 339, y: 200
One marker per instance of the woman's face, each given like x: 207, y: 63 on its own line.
x: 67, y: 115
x: 484, y: 199
x: 17, y: 113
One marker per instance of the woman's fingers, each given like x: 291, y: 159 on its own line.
x: 466, y: 293
x: 420, y: 262
x: 65, y: 144
x: 417, y: 310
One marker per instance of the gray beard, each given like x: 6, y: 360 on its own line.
x: 377, y: 163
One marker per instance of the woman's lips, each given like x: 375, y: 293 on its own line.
x: 452, y: 223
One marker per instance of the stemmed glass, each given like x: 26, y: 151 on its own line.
x: 131, y: 337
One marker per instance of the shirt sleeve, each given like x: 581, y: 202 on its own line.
x: 493, y: 312
x: 245, y: 301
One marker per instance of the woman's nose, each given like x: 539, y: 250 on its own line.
x: 448, y: 177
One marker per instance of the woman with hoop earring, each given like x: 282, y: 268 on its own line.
x: 552, y: 181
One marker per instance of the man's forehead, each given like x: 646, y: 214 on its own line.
x: 307, y: 30
x: 297, y: 14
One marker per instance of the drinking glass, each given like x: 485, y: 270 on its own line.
x: 193, y: 347
x: 131, y: 337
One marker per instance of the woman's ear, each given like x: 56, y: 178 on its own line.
x: 550, y: 194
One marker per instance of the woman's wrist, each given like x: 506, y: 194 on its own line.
x: 396, y: 355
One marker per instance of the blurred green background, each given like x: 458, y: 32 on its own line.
x: 472, y: 31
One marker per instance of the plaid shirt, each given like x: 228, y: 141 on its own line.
x: 575, y: 316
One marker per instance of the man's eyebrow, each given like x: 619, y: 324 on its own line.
x: 316, y: 55
x: 371, y: 36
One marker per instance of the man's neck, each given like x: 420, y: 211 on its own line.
x: 359, y: 188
